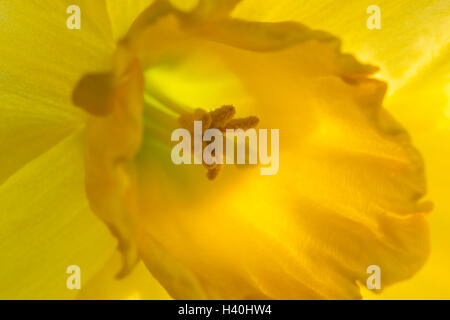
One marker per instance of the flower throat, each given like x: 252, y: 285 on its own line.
x: 211, y: 130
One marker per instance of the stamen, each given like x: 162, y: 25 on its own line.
x: 187, y: 120
x: 243, y: 123
x: 213, y: 173
x: 221, y: 119
x: 221, y: 116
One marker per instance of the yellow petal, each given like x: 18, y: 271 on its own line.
x: 184, y: 5
x: 112, y: 142
x: 139, y: 284
x: 114, y: 132
x: 46, y: 226
x: 411, y: 34
x: 198, y: 10
x: 32, y: 68
x: 123, y: 13
x: 423, y: 104
x: 40, y: 62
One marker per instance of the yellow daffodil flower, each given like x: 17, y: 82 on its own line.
x: 86, y: 122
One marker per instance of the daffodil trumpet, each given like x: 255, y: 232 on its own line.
x: 350, y: 195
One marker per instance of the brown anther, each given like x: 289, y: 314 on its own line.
x: 221, y: 116
x: 242, y: 123
x: 187, y: 120
x: 222, y: 119
x: 213, y: 173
